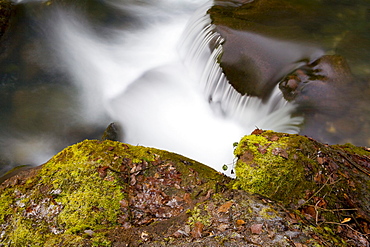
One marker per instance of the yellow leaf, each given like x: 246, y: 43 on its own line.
x: 345, y: 220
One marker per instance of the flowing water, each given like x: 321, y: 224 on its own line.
x: 148, y: 66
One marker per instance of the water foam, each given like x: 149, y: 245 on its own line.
x: 177, y: 99
x: 139, y: 79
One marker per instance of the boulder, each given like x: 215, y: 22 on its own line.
x: 108, y: 193
x: 326, y: 186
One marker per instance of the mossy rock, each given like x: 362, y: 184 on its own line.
x: 328, y: 186
x: 93, y: 187
x: 107, y: 193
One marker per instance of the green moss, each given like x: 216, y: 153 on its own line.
x: 81, y: 188
x: 100, y: 240
x: 268, y: 213
x: 199, y: 214
x: 6, y: 200
x: 81, y: 199
x: 26, y: 234
x: 331, y: 238
x: 352, y: 149
x: 267, y: 167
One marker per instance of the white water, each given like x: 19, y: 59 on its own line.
x: 149, y: 78
x: 138, y: 78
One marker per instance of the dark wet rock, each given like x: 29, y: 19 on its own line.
x: 331, y: 99
x: 269, y: 40
x: 112, y: 133
x: 109, y: 193
x: 264, y: 40
x: 6, y: 9
x: 254, y: 63
x: 323, y: 85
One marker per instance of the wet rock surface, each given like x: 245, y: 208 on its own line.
x: 331, y: 99
x: 323, y: 43
x: 6, y: 8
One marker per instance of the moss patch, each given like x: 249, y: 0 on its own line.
x: 327, y: 186
x: 269, y: 165
x: 93, y: 187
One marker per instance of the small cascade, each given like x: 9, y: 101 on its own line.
x: 200, y: 49
x: 163, y: 94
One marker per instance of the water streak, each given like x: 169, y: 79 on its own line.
x: 170, y: 96
x: 201, y: 48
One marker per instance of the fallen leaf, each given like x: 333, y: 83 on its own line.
x: 225, y: 207
x: 319, y: 178
x: 321, y: 160
x: 187, y: 198
x: 256, y: 228
x: 274, y: 138
x: 223, y: 227
x: 198, y: 229
x: 257, y: 132
x: 310, y: 210
x: 345, y: 220
x: 281, y: 152
x: 262, y: 150
x: 102, y: 171
x: 240, y: 222
x: 299, y: 245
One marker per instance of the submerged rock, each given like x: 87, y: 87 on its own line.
x: 108, y: 193
x: 331, y: 99
x: 265, y: 41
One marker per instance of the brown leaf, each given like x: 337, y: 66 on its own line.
x: 262, y: 150
x: 256, y: 228
x: 240, y: 222
x: 319, y: 178
x: 309, y: 210
x: 320, y: 202
x: 187, y: 198
x: 102, y: 171
x: 274, y: 138
x: 225, y: 207
x: 257, y: 132
x: 321, y: 160
x: 123, y: 203
x: 198, y: 229
x: 299, y: 245
x: 281, y: 152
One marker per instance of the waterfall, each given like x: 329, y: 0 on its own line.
x: 194, y: 109
x: 158, y: 77
x: 200, y: 49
